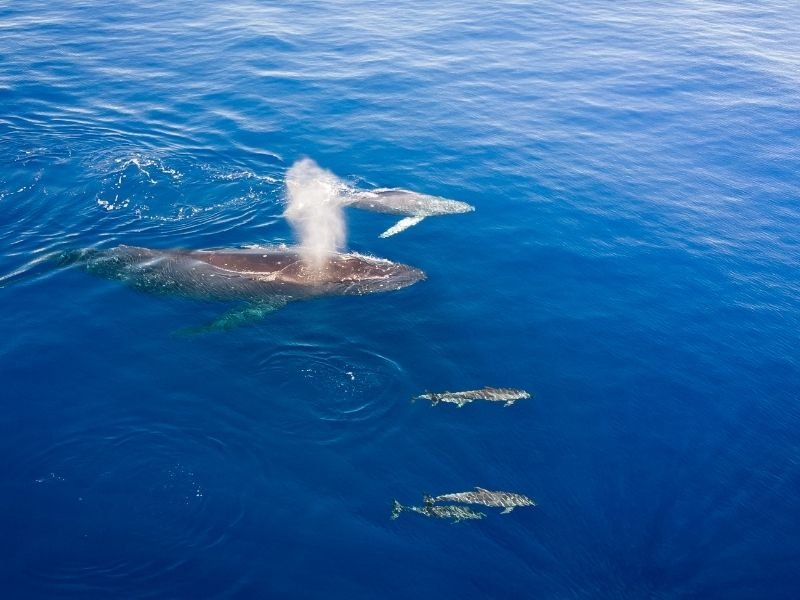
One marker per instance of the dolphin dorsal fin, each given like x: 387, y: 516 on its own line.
x: 401, y: 225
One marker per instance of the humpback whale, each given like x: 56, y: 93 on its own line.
x: 263, y: 278
x: 507, y: 500
x: 414, y: 206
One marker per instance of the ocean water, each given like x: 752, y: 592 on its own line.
x: 633, y: 261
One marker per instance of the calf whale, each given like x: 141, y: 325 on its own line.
x: 263, y: 278
x: 414, y: 206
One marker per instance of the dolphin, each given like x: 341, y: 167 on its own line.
x: 506, y: 395
x: 507, y: 500
x: 456, y: 513
x: 395, y: 201
x: 263, y: 278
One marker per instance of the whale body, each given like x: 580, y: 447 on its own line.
x: 412, y: 205
x: 264, y: 278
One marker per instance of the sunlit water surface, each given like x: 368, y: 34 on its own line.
x: 633, y: 261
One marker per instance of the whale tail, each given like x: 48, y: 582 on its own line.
x: 397, y: 508
x: 67, y: 258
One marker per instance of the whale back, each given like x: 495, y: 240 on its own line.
x: 341, y: 274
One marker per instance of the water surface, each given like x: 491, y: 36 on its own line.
x: 632, y: 261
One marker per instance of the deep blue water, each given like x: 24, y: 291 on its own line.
x: 633, y: 261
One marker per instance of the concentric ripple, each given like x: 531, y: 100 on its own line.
x: 354, y: 391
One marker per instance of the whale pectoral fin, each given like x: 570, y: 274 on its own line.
x: 239, y: 316
x: 247, y: 314
x: 401, y: 225
x: 507, y: 510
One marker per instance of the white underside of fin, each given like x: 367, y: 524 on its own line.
x: 401, y: 225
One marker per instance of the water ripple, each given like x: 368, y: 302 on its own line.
x: 160, y: 483
x: 352, y: 391
x: 133, y: 197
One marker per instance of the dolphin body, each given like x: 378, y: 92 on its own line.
x: 490, y: 394
x: 412, y: 205
x: 507, y: 500
x: 263, y: 278
x: 456, y: 513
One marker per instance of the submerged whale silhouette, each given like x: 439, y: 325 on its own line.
x: 397, y: 201
x: 264, y: 278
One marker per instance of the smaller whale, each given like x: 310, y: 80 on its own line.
x: 412, y: 205
x: 490, y: 394
x: 456, y: 513
x: 507, y: 500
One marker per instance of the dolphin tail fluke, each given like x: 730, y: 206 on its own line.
x: 401, y: 225
x: 397, y: 508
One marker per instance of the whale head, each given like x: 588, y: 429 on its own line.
x: 443, y: 206
x: 357, y: 274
